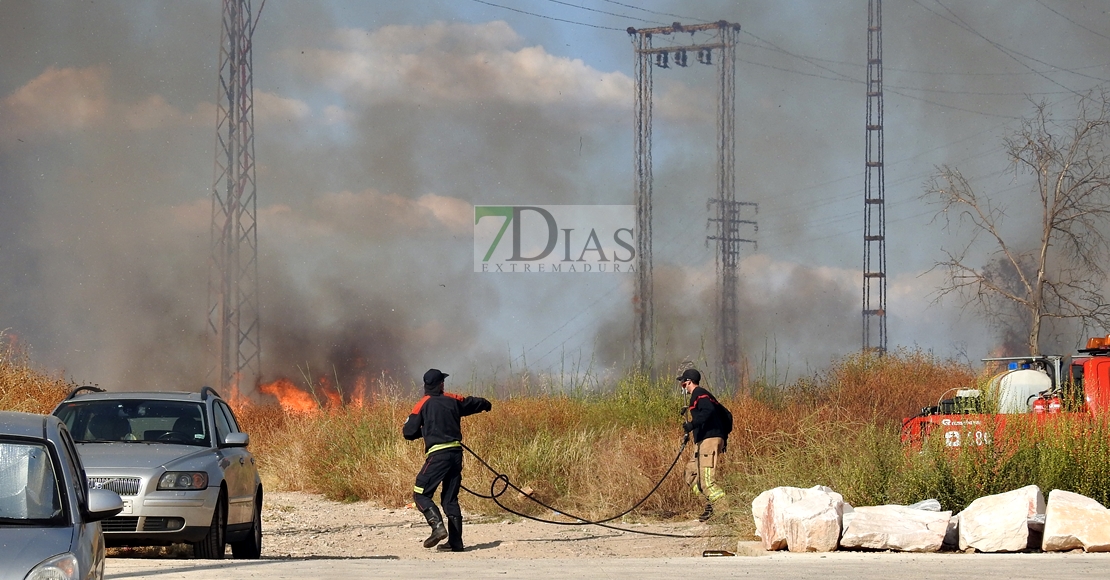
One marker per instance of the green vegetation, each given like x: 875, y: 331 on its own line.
x: 596, y: 453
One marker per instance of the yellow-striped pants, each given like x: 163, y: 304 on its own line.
x: 701, y: 467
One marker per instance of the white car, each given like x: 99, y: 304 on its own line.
x: 180, y: 463
x: 49, y: 518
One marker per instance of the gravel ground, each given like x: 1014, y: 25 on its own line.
x: 306, y: 536
x: 303, y: 525
x: 297, y: 525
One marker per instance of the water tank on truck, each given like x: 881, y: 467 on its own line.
x: 1015, y: 389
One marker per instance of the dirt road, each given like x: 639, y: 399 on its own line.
x: 780, y: 566
x: 306, y: 536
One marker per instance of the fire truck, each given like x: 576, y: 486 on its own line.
x: 1034, y: 386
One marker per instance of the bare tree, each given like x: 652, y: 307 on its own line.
x: 1061, y: 276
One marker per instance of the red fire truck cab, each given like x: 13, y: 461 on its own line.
x: 1030, y: 386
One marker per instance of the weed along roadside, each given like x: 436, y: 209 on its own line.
x: 595, y: 453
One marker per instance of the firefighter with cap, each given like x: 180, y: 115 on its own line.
x: 436, y: 418
x: 710, y: 424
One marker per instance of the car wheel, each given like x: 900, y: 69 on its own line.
x: 250, y: 548
x: 211, y: 547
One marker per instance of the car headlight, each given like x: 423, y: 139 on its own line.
x: 60, y: 567
x: 183, y: 480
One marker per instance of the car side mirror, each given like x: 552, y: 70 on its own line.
x: 103, y: 504
x: 236, y: 440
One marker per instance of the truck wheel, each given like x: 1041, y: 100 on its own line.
x: 211, y: 547
x: 250, y: 548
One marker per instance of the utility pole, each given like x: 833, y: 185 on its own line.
x: 233, y: 330
x: 874, y: 192
x: 728, y: 237
x: 722, y: 45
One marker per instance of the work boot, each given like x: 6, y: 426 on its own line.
x: 454, y: 533
x: 435, y: 520
x: 708, y: 513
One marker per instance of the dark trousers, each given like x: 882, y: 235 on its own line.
x: 440, y: 467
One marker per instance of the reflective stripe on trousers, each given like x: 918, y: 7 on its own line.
x: 701, y: 468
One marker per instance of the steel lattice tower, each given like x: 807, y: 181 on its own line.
x: 728, y: 209
x: 643, y: 334
x: 233, y: 261
x: 874, y: 191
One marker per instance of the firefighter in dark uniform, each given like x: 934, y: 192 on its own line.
x: 436, y: 418
x: 710, y: 432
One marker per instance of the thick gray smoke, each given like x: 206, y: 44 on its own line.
x: 380, y: 125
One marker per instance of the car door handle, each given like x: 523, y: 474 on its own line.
x: 242, y: 461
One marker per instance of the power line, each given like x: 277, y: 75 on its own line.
x: 953, y: 107
x: 656, y: 12
x: 978, y: 93
x: 923, y: 72
x: 572, y: 319
x: 899, y: 93
x: 547, y: 17
x: 961, y: 23
x: 798, y: 56
x: 846, y: 78
x: 604, y: 12
x: 1054, y: 11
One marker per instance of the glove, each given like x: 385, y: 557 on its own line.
x: 485, y: 406
x: 682, y: 411
x: 687, y: 427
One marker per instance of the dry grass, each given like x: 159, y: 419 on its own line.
x: 23, y: 387
x: 596, y: 453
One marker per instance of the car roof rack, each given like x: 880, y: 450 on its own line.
x: 205, y: 391
x: 83, y: 388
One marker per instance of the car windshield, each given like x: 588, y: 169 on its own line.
x: 135, y: 421
x: 29, y: 490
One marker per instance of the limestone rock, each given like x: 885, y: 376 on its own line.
x: 1075, y: 521
x: 895, y: 527
x: 803, y: 519
x: 813, y: 523
x: 1000, y: 523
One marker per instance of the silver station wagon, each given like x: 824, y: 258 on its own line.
x: 180, y: 463
x: 49, y: 518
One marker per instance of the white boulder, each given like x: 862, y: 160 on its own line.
x: 895, y: 527
x: 804, y: 520
x: 1075, y: 521
x: 1000, y: 523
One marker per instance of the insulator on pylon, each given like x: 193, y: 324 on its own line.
x: 680, y: 57
x: 661, y: 59
x: 705, y: 55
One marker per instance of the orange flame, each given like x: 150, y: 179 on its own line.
x: 290, y: 397
x: 321, y: 395
x: 358, y: 398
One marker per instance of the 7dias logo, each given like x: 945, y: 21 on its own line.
x: 554, y: 238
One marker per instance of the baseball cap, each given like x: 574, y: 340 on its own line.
x: 434, y: 377
x: 691, y: 375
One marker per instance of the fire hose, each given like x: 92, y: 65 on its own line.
x: 505, y: 484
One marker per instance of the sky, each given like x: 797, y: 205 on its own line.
x: 380, y: 125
